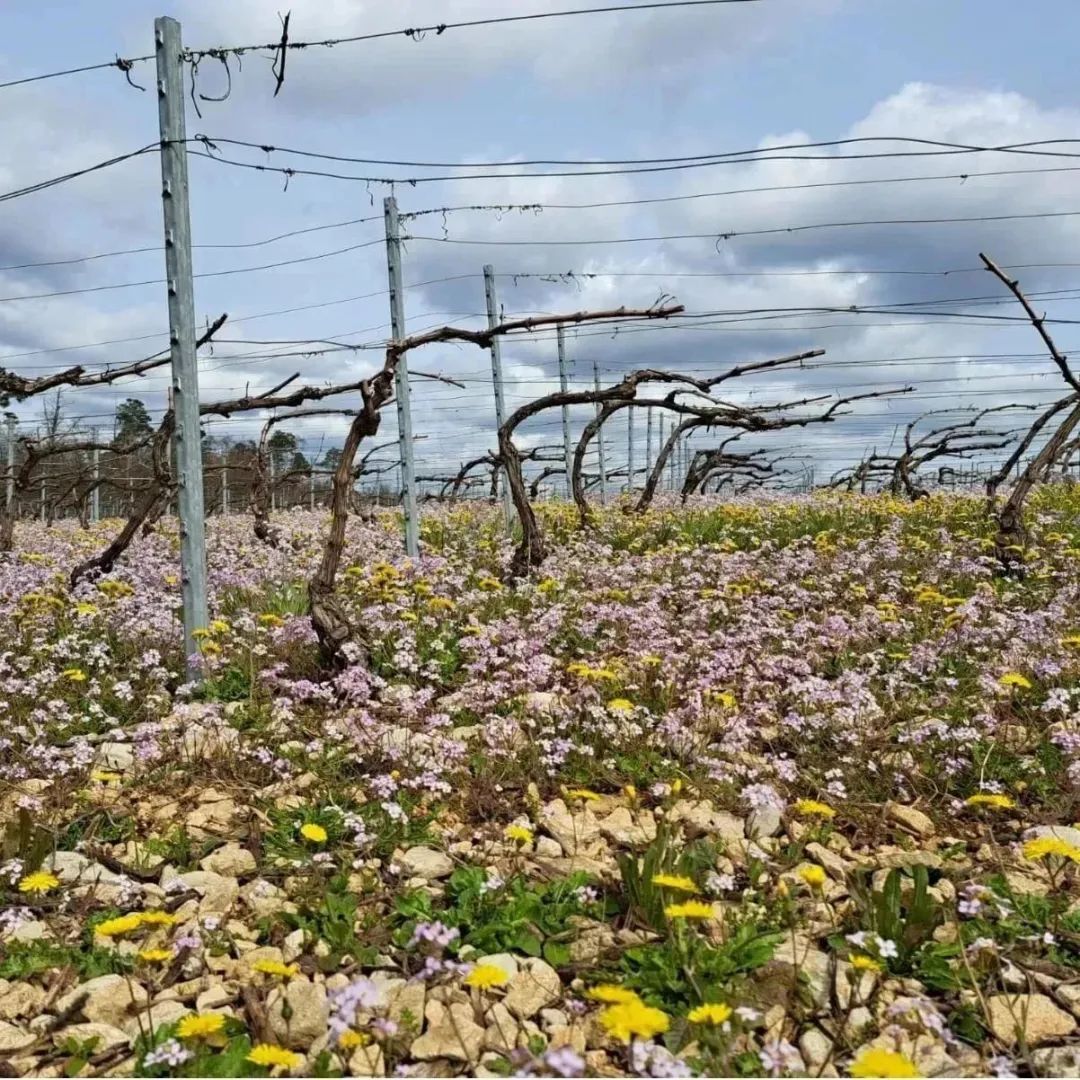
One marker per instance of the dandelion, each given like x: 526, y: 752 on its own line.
x: 814, y: 876
x: 123, y: 924
x: 611, y: 994
x: 995, y: 802
x: 270, y: 1056
x: 276, y: 968
x: 714, y: 1014
x: 634, y: 1019
x: 1014, y: 678
x: 316, y: 834
x: 103, y: 776
x: 1044, y: 847
x: 40, y: 882
x: 675, y: 881
x: 156, y: 918
x: 485, y: 976
x: 584, y: 794
x: 862, y: 962
x: 620, y: 704
x: 200, y: 1025
x: 873, y: 1061
x: 155, y: 956
x: 813, y: 808
x: 520, y: 834
x: 350, y: 1040
x: 690, y: 909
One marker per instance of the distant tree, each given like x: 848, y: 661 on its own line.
x: 283, y: 445
x: 132, y: 421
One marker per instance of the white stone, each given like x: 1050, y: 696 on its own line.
x: 106, y: 1038
x: 533, y: 988
x: 115, y: 756
x: 109, y: 999
x: 309, y: 1013
x: 426, y: 863
x: 911, y: 819
x: 230, y: 860
x: 452, y: 1033
x: 1035, y: 1015
x: 13, y: 1038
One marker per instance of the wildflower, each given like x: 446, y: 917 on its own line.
x: 276, y: 967
x: 633, y: 1019
x: 675, y: 881
x: 269, y: 1055
x: 995, y: 802
x: 584, y: 794
x: 315, y: 833
x: 1045, y: 846
x: 103, y: 776
x: 350, y: 1039
x: 862, y: 962
x: 155, y: 918
x: 814, y: 876
x: 873, y: 1061
x: 714, y: 1014
x: 520, y: 834
x: 200, y: 1025
x: 123, y: 924
x: 690, y: 909
x: 620, y: 704
x: 485, y: 976
x: 611, y: 995
x: 1013, y: 678
x: 155, y: 956
x: 812, y: 808
x: 40, y: 882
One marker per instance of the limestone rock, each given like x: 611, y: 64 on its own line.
x: 159, y: 1014
x: 800, y: 959
x: 910, y: 819
x: 502, y: 1030
x: 109, y: 999
x: 231, y: 860
x: 1062, y: 1061
x: 426, y: 863
x: 533, y: 988
x: 217, y: 893
x: 833, y: 865
x: 106, y: 1038
x: 75, y: 869
x: 13, y: 1038
x: 200, y: 741
x: 577, y: 833
x: 1035, y: 1014
x: 21, y: 999
x: 452, y: 1033
x: 699, y: 818
x: 620, y: 828
x: 115, y: 756
x: 762, y: 821
x: 815, y: 1048
x: 367, y: 1061
x: 308, y: 1013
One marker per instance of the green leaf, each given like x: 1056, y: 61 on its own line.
x: 528, y: 943
x: 557, y: 954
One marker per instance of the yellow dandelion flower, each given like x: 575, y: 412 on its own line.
x: 200, y: 1025
x: 714, y: 1014
x: 874, y: 1061
x: 611, y: 994
x: 276, y: 967
x: 690, y: 909
x: 634, y: 1019
x: 103, y: 776
x: 39, y: 882
x: 156, y: 918
x: 995, y: 802
x: 155, y: 956
x: 813, y: 808
x: 350, y: 1040
x: 485, y: 976
x: 315, y: 833
x: 74, y: 674
x: 520, y: 834
x: 1014, y: 678
x: 620, y: 704
x: 862, y: 962
x: 1044, y: 847
x: 271, y: 1056
x: 584, y: 794
x: 814, y: 876
x: 675, y: 881
x: 219, y: 626
x: 122, y: 924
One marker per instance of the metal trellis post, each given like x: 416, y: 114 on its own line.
x: 648, y: 441
x: 568, y: 459
x: 497, y: 380
x: 629, y: 449
x: 660, y: 449
x: 600, y: 438
x: 401, y: 378
x: 95, y: 491
x: 185, y: 382
x: 9, y: 496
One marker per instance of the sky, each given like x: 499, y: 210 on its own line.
x: 700, y: 80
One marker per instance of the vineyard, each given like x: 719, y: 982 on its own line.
x: 770, y: 787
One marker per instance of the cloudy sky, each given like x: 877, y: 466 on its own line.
x: 650, y: 84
